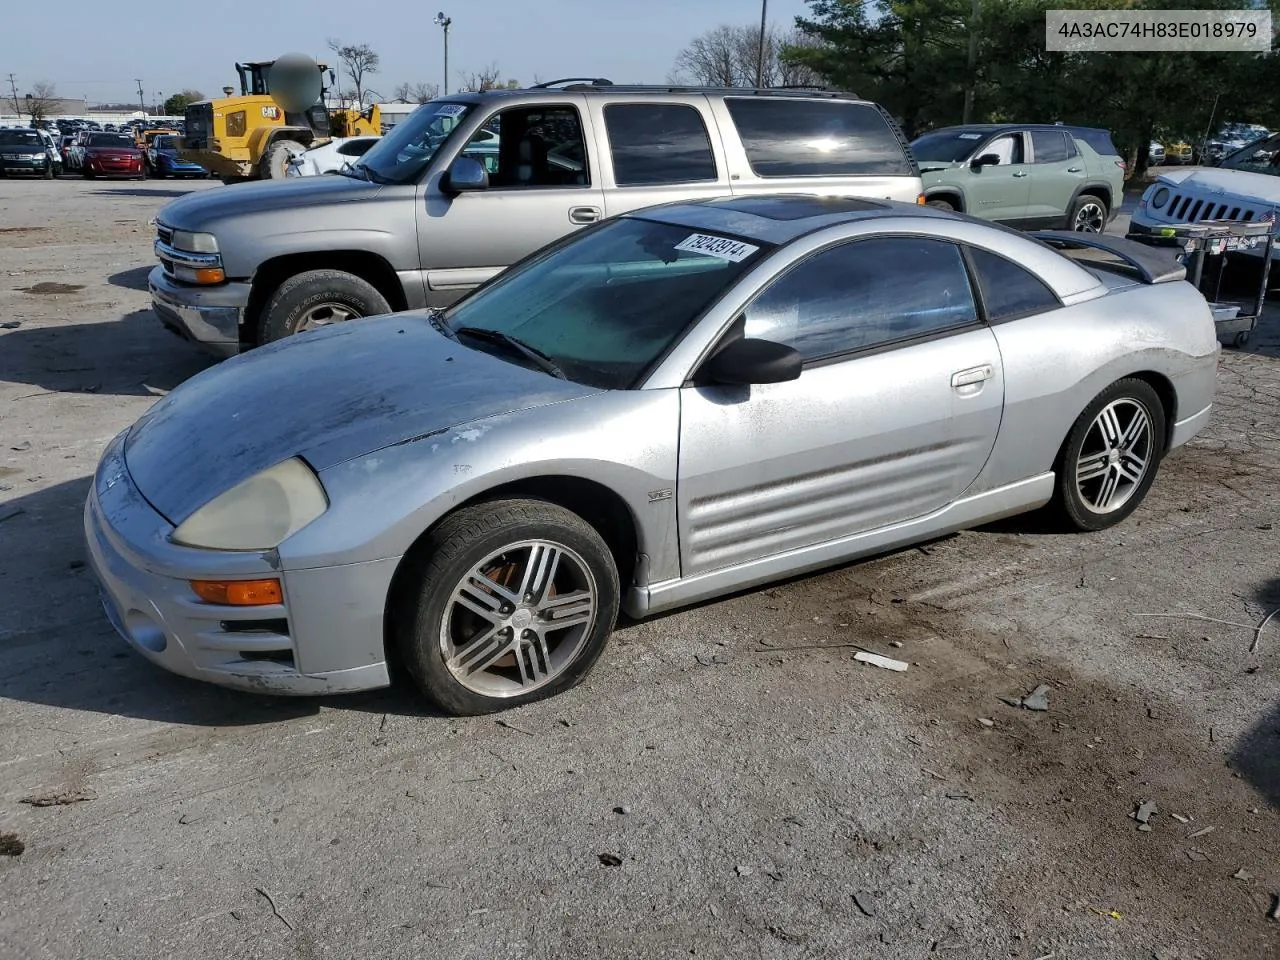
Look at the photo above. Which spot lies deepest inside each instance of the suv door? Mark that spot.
(543, 184)
(659, 150)
(1057, 172)
(999, 191)
(816, 145)
(893, 417)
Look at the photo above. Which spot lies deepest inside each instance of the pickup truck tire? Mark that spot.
(317, 298)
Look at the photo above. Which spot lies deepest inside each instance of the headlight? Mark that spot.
(259, 513)
(195, 242)
(1160, 197)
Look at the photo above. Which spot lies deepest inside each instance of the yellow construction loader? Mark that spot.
(280, 112)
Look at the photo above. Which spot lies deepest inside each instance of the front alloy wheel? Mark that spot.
(505, 602)
(1110, 458)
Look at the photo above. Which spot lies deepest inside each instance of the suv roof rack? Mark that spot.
(797, 90)
(592, 81)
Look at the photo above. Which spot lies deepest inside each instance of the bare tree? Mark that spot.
(477, 82)
(42, 98)
(727, 57)
(417, 92)
(358, 60)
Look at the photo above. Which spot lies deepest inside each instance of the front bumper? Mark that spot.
(326, 619)
(33, 164)
(207, 316)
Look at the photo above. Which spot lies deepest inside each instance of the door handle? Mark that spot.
(584, 214)
(1074, 169)
(963, 378)
(1021, 173)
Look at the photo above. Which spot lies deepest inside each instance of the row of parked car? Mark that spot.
(1229, 139)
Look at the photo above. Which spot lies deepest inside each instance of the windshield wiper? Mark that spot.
(539, 358)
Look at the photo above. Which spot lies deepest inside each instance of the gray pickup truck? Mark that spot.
(469, 184)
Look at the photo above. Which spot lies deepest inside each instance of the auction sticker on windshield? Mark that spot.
(451, 110)
(721, 247)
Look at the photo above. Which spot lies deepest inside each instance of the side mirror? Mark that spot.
(986, 160)
(465, 175)
(749, 361)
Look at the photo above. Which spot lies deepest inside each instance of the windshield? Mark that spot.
(1263, 157)
(402, 155)
(607, 304)
(165, 143)
(945, 146)
(111, 140)
(24, 137)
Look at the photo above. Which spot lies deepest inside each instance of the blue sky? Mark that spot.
(95, 49)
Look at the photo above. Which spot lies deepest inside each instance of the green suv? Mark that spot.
(1031, 176)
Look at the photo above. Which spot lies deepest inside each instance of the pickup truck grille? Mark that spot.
(199, 120)
(164, 233)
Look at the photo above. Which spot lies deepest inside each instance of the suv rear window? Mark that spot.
(817, 138)
(658, 143)
(1100, 140)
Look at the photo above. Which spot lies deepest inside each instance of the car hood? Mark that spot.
(328, 396)
(200, 210)
(1239, 183)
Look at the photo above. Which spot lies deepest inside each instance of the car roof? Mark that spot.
(605, 88)
(780, 219)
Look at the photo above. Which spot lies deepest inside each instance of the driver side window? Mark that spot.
(864, 294)
(528, 147)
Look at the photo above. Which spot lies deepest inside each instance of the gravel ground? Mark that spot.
(728, 783)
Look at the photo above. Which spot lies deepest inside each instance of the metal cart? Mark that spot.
(1217, 241)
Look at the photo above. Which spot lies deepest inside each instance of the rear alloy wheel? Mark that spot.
(504, 603)
(318, 298)
(1088, 215)
(1110, 458)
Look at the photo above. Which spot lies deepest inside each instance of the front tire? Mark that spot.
(1088, 214)
(946, 205)
(48, 171)
(317, 298)
(1111, 456)
(275, 162)
(505, 603)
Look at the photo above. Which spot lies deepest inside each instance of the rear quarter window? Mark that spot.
(1099, 140)
(817, 138)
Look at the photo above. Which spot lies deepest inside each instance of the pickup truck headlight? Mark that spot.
(195, 242)
(259, 513)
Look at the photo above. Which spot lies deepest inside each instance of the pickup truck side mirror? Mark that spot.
(465, 175)
(986, 160)
(750, 360)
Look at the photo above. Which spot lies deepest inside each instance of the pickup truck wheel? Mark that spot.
(315, 299)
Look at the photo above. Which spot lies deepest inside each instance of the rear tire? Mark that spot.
(318, 298)
(1088, 214)
(1110, 458)
(466, 634)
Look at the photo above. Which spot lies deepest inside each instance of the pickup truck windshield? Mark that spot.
(604, 306)
(402, 155)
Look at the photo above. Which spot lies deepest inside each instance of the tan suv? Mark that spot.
(471, 183)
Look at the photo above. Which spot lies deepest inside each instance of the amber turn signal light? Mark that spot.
(239, 593)
(209, 275)
(920, 198)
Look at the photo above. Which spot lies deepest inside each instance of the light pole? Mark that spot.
(443, 21)
(764, 15)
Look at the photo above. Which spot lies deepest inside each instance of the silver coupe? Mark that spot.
(668, 406)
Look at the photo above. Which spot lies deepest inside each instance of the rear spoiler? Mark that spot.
(1151, 264)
